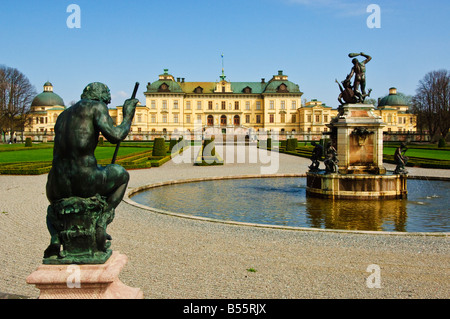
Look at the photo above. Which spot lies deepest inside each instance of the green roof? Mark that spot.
(392, 100)
(173, 87)
(47, 99)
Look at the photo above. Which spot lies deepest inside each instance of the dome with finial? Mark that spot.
(47, 97)
(393, 99)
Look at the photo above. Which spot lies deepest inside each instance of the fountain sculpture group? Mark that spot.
(354, 156)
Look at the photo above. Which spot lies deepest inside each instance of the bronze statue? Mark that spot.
(315, 157)
(331, 159)
(400, 159)
(357, 92)
(83, 195)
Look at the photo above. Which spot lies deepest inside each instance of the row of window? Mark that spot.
(188, 118)
(222, 105)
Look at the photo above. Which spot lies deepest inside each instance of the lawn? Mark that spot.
(422, 153)
(46, 154)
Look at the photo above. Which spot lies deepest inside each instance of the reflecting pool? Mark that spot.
(282, 201)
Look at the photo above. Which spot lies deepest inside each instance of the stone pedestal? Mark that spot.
(99, 281)
(359, 139)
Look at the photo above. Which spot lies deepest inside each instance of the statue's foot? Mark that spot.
(52, 250)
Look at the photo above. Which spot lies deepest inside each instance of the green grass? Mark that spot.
(46, 154)
(422, 153)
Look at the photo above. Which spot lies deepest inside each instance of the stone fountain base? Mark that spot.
(356, 186)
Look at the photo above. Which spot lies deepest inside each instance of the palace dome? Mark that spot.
(393, 99)
(47, 98)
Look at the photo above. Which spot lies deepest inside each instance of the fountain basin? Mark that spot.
(356, 186)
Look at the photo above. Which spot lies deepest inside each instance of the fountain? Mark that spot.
(354, 157)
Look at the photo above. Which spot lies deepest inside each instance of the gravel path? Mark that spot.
(172, 257)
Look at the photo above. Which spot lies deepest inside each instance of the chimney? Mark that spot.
(392, 91)
(263, 80)
(280, 72)
(178, 79)
(182, 80)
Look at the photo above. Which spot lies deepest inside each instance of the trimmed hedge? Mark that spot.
(159, 147)
(291, 144)
(28, 142)
(211, 148)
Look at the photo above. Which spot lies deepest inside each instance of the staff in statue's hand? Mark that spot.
(133, 96)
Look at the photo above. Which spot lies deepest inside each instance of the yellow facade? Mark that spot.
(174, 105)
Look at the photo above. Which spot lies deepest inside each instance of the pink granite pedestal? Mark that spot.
(84, 281)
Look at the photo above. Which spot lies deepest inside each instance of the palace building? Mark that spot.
(176, 105)
(45, 109)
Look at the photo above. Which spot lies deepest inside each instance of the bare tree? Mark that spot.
(431, 102)
(16, 95)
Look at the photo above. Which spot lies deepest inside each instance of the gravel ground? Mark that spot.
(172, 257)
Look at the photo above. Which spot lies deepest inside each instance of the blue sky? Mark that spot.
(121, 42)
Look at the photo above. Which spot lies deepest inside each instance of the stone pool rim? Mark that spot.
(133, 191)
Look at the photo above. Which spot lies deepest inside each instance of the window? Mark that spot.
(188, 118)
(282, 118)
(317, 118)
(283, 105)
(223, 120)
(293, 118)
(224, 105)
(325, 118)
(199, 105)
(271, 105)
(188, 105)
(164, 105)
(153, 118)
(175, 118)
(210, 120)
(210, 105)
(153, 104)
(258, 118)
(236, 105)
(271, 118)
(247, 118)
(223, 89)
(247, 105)
(237, 120)
(199, 118)
(258, 105)
(309, 119)
(175, 104)
(294, 105)
(164, 118)
(139, 118)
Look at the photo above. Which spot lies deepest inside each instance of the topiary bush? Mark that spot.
(28, 142)
(441, 142)
(159, 147)
(209, 150)
(173, 144)
(291, 144)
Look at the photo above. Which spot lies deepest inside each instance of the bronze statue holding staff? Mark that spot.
(83, 195)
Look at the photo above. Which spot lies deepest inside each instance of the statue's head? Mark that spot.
(355, 61)
(98, 92)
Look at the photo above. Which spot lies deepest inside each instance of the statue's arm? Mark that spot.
(368, 58)
(105, 124)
